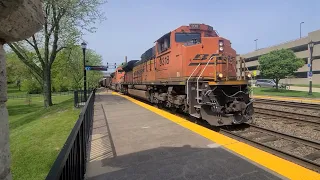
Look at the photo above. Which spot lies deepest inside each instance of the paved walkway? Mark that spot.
(131, 142)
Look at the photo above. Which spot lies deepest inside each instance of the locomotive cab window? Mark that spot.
(120, 71)
(164, 43)
(188, 37)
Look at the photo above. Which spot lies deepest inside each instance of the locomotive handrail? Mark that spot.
(188, 82)
(200, 76)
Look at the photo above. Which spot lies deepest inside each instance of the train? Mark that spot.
(105, 81)
(191, 70)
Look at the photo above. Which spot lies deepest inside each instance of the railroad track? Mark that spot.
(297, 117)
(261, 138)
(288, 104)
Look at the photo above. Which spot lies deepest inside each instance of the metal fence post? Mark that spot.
(75, 99)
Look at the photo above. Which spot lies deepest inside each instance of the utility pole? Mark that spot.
(84, 47)
(300, 28)
(256, 40)
(311, 44)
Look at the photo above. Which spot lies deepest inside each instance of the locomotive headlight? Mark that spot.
(220, 43)
(221, 48)
(220, 75)
(249, 75)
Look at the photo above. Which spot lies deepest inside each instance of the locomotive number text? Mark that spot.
(164, 60)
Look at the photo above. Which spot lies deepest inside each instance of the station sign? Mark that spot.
(96, 68)
(310, 75)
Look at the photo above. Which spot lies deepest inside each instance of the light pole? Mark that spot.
(311, 44)
(300, 28)
(256, 40)
(84, 47)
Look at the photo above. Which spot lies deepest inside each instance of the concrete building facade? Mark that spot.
(301, 48)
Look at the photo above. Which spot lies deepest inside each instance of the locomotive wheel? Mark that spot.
(174, 110)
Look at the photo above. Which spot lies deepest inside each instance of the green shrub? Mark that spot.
(31, 86)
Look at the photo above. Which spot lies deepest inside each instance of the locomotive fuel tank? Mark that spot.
(141, 87)
(139, 93)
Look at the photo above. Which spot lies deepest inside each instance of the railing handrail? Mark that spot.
(60, 162)
(86, 105)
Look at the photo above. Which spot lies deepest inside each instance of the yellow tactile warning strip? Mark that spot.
(272, 162)
(293, 99)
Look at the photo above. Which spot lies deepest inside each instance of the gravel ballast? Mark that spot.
(289, 109)
(294, 129)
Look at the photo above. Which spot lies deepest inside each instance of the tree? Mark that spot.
(93, 59)
(278, 64)
(16, 70)
(64, 20)
(68, 68)
(18, 73)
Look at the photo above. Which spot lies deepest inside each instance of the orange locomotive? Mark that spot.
(192, 69)
(117, 79)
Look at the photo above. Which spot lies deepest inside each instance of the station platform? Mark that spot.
(133, 140)
(290, 99)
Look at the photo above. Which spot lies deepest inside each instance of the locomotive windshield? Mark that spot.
(187, 37)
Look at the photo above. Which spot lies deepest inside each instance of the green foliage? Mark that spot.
(18, 74)
(67, 71)
(31, 86)
(278, 64)
(63, 26)
(16, 70)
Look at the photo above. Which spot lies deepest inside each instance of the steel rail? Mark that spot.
(272, 112)
(288, 104)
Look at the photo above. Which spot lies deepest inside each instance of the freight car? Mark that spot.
(192, 69)
(105, 82)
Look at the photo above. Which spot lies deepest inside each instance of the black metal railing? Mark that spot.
(79, 99)
(72, 159)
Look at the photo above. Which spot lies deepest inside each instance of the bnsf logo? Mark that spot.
(208, 56)
(163, 60)
(202, 57)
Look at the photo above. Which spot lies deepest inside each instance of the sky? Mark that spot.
(132, 26)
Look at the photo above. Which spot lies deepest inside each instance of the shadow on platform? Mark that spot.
(178, 163)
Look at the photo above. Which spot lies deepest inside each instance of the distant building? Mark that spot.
(301, 48)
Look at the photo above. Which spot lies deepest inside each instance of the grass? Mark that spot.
(284, 92)
(14, 91)
(38, 134)
(306, 85)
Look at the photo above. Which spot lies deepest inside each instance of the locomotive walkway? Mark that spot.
(132, 140)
